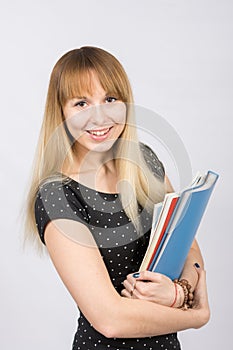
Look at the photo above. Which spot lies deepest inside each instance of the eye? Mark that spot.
(110, 99)
(81, 104)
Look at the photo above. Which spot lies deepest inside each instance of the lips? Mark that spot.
(99, 132)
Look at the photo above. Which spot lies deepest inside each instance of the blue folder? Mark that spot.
(180, 233)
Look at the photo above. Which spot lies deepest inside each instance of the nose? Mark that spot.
(98, 115)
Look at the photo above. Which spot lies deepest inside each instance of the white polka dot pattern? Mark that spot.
(120, 246)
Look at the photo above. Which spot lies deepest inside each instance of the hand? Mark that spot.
(151, 286)
(201, 303)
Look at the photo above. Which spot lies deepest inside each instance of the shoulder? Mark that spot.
(48, 188)
(152, 161)
(59, 194)
(53, 193)
(57, 200)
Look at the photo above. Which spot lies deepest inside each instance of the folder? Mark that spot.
(168, 254)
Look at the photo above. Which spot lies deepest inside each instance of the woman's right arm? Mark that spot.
(83, 272)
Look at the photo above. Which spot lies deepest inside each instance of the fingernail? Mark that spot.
(197, 265)
(136, 275)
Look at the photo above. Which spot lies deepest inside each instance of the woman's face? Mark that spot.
(95, 121)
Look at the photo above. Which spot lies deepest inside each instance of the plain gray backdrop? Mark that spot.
(178, 56)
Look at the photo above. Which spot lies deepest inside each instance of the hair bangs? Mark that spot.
(76, 77)
(112, 81)
(75, 83)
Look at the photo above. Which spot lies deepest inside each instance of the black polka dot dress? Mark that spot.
(119, 244)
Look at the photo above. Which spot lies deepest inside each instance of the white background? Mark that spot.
(178, 56)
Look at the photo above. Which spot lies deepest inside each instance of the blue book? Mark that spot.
(181, 230)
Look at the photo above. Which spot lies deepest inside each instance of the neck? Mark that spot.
(91, 166)
(92, 160)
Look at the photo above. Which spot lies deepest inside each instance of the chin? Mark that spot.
(101, 147)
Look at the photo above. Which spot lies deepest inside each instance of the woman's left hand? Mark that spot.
(151, 286)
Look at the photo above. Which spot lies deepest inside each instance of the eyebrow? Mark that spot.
(85, 97)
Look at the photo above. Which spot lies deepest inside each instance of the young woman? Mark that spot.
(91, 199)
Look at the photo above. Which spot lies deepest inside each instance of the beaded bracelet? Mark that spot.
(188, 295)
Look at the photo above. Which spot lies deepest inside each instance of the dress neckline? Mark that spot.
(90, 188)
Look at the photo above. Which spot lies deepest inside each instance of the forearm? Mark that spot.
(140, 318)
(91, 287)
(189, 272)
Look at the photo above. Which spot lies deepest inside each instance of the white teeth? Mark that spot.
(98, 133)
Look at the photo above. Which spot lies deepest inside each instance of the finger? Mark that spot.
(147, 276)
(131, 279)
(144, 288)
(138, 295)
(201, 288)
(201, 274)
(142, 276)
(125, 293)
(135, 294)
(129, 286)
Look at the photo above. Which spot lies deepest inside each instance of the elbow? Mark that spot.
(111, 324)
(109, 331)
(204, 319)
(109, 328)
(111, 321)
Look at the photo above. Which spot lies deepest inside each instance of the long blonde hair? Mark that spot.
(71, 76)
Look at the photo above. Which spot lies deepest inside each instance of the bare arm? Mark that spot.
(82, 270)
(188, 272)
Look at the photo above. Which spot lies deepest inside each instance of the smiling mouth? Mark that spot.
(101, 132)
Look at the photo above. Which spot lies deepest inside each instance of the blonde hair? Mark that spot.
(71, 76)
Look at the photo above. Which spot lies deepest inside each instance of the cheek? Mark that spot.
(116, 112)
(77, 122)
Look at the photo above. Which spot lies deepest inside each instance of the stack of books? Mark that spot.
(174, 226)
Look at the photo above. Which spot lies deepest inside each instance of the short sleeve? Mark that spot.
(56, 200)
(153, 162)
